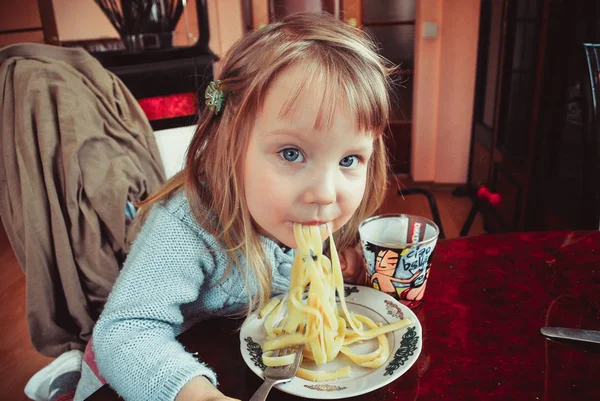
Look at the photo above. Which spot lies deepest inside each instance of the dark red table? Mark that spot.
(486, 299)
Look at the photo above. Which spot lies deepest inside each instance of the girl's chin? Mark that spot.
(286, 240)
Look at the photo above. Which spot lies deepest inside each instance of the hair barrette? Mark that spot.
(215, 98)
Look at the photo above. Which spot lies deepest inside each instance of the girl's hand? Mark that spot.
(201, 389)
(353, 266)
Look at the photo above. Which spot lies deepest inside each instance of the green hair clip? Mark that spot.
(215, 98)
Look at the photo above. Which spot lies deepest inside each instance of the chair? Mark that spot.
(590, 89)
(432, 205)
(75, 148)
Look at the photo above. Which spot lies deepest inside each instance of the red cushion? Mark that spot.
(170, 106)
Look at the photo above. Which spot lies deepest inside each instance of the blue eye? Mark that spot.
(350, 161)
(292, 155)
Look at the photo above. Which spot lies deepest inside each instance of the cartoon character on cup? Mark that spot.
(407, 281)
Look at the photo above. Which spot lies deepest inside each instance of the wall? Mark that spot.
(81, 20)
(226, 24)
(444, 87)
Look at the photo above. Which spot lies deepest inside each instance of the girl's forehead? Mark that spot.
(306, 99)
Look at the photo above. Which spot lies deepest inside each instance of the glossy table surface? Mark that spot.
(487, 298)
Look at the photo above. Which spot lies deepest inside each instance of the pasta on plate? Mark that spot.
(314, 313)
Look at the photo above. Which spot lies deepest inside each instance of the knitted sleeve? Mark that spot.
(134, 339)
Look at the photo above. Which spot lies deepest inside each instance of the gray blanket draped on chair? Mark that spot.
(75, 147)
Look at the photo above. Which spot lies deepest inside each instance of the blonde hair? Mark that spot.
(339, 57)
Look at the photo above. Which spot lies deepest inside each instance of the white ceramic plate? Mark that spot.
(405, 347)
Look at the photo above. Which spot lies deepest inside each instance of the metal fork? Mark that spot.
(278, 374)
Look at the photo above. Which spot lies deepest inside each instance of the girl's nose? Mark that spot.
(321, 190)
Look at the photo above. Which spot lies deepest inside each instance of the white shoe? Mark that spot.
(38, 387)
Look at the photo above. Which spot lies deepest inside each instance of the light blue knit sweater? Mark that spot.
(169, 282)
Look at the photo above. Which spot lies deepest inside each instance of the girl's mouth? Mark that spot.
(324, 227)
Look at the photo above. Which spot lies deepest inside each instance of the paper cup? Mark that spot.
(397, 249)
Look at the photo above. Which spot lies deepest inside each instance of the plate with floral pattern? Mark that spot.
(405, 347)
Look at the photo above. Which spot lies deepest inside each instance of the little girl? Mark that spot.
(293, 134)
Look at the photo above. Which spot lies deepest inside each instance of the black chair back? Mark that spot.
(591, 133)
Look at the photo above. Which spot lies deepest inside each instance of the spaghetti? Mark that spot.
(311, 315)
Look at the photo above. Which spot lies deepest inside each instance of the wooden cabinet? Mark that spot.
(11, 38)
(526, 138)
(392, 24)
(20, 15)
(20, 22)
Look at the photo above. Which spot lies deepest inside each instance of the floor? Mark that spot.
(453, 210)
(18, 359)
